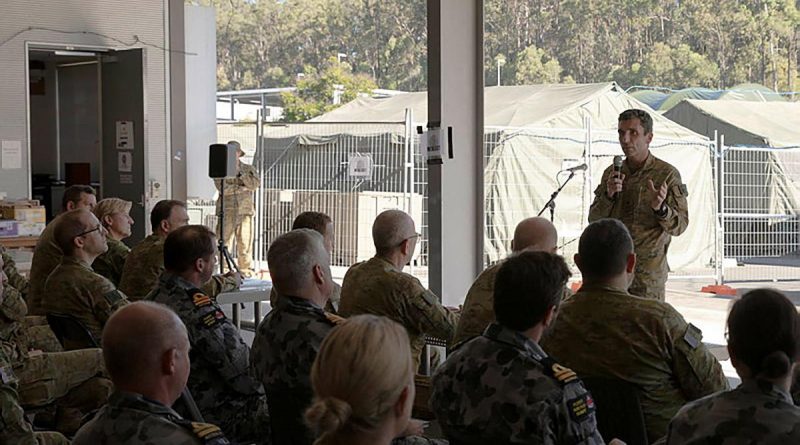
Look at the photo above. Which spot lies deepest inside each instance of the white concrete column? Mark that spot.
(455, 99)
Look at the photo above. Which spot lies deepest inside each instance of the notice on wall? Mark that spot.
(126, 179)
(125, 135)
(125, 161)
(11, 155)
(359, 166)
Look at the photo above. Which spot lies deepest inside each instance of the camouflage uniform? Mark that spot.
(478, 311)
(14, 427)
(46, 256)
(606, 332)
(144, 265)
(755, 412)
(239, 210)
(331, 306)
(133, 418)
(74, 289)
(15, 279)
(377, 287)
(284, 349)
(110, 264)
(220, 379)
(501, 387)
(651, 234)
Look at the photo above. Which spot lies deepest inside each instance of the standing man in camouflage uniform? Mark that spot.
(531, 234)
(146, 351)
(73, 288)
(604, 331)
(648, 196)
(47, 254)
(287, 341)
(380, 287)
(71, 380)
(239, 210)
(502, 387)
(145, 262)
(114, 214)
(220, 381)
(323, 224)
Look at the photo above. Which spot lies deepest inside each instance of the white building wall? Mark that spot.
(101, 23)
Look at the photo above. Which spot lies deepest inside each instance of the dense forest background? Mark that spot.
(382, 43)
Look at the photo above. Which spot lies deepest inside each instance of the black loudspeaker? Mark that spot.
(221, 161)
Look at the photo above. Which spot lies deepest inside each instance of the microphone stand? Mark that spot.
(551, 204)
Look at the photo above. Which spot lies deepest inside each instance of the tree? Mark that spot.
(317, 91)
(534, 66)
(677, 68)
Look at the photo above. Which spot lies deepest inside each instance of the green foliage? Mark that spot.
(534, 66)
(316, 91)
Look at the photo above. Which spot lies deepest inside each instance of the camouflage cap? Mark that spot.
(237, 146)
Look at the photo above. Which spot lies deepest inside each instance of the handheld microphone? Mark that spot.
(617, 170)
(577, 168)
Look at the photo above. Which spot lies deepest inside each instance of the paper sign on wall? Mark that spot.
(12, 155)
(359, 166)
(125, 161)
(125, 135)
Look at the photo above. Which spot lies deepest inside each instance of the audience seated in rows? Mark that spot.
(501, 387)
(114, 215)
(220, 380)
(145, 262)
(764, 345)
(532, 234)
(73, 288)
(323, 224)
(604, 331)
(146, 350)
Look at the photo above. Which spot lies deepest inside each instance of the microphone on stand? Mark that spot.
(617, 171)
(577, 168)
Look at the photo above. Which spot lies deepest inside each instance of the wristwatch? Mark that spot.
(662, 211)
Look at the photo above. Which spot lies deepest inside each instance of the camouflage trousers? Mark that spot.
(239, 227)
(73, 380)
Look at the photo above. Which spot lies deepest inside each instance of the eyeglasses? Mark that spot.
(89, 231)
(416, 235)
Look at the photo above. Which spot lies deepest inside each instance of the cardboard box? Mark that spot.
(8, 228)
(29, 211)
(26, 228)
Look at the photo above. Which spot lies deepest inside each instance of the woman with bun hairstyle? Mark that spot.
(764, 345)
(363, 383)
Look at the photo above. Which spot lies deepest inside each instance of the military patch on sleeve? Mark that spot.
(7, 375)
(212, 319)
(200, 299)
(208, 433)
(113, 297)
(581, 407)
(693, 336)
(562, 374)
(430, 298)
(684, 190)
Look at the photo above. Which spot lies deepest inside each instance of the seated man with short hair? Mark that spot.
(501, 387)
(220, 381)
(604, 331)
(146, 351)
(73, 288)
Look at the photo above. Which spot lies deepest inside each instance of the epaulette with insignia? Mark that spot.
(207, 433)
(334, 319)
(558, 372)
(199, 299)
(212, 319)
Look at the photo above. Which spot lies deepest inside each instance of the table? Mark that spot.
(252, 291)
(15, 242)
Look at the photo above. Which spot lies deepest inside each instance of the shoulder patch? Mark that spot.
(7, 375)
(684, 190)
(207, 433)
(563, 374)
(693, 336)
(213, 318)
(430, 297)
(581, 407)
(200, 299)
(334, 319)
(113, 297)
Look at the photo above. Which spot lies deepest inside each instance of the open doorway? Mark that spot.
(64, 122)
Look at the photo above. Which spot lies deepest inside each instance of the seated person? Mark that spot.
(15, 427)
(145, 262)
(146, 351)
(764, 345)
(363, 382)
(501, 387)
(15, 279)
(323, 224)
(114, 214)
(47, 254)
(534, 234)
(220, 382)
(604, 331)
(73, 288)
(287, 341)
(380, 287)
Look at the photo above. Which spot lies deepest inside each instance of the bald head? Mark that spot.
(390, 229)
(135, 341)
(535, 234)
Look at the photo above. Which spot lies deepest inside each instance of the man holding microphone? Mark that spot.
(648, 196)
